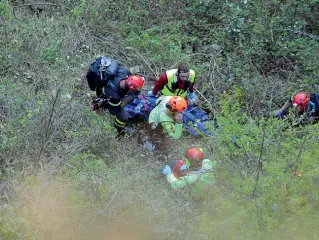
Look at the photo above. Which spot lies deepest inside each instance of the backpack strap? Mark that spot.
(199, 173)
(314, 102)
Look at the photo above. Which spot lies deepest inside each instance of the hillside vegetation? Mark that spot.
(64, 175)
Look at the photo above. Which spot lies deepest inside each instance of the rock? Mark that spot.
(215, 48)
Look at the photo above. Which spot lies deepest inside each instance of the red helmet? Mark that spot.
(177, 104)
(301, 99)
(176, 166)
(134, 82)
(194, 154)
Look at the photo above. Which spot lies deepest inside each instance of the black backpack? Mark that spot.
(314, 98)
(101, 71)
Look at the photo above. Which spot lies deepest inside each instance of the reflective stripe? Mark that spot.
(115, 104)
(118, 121)
(109, 98)
(119, 126)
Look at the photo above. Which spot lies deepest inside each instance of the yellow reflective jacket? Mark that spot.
(170, 90)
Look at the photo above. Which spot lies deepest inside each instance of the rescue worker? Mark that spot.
(169, 114)
(194, 172)
(116, 94)
(302, 105)
(176, 82)
(114, 86)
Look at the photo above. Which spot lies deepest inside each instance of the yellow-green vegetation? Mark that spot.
(65, 175)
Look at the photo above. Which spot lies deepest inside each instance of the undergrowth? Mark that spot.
(65, 175)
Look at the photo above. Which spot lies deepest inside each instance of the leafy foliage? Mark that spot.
(62, 167)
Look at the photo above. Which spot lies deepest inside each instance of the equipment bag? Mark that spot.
(101, 71)
(314, 101)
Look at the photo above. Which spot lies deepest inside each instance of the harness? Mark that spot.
(198, 173)
(114, 86)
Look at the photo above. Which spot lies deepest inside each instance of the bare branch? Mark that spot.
(303, 33)
(30, 4)
(130, 48)
(208, 102)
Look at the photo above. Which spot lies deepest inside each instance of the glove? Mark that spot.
(151, 94)
(234, 143)
(178, 117)
(100, 102)
(184, 168)
(278, 114)
(191, 98)
(149, 145)
(96, 103)
(166, 170)
(190, 102)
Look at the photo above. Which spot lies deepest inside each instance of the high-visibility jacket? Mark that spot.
(198, 180)
(160, 115)
(171, 88)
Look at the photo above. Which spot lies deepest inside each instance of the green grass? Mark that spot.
(64, 175)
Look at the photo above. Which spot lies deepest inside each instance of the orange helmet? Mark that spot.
(194, 154)
(301, 99)
(177, 104)
(134, 82)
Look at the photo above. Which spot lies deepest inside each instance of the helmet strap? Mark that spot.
(169, 107)
(123, 84)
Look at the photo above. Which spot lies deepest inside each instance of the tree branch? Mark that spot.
(303, 33)
(130, 48)
(206, 100)
(30, 4)
(260, 163)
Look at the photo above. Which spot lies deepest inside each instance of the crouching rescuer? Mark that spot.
(169, 114)
(194, 172)
(114, 87)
